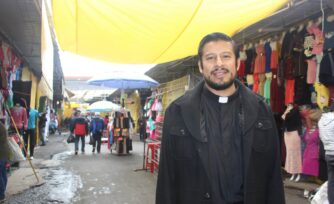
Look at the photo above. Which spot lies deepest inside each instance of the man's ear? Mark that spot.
(200, 67)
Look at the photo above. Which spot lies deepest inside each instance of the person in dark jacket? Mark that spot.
(4, 157)
(220, 143)
(80, 130)
(41, 127)
(97, 126)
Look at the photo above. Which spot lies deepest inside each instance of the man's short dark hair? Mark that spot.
(216, 37)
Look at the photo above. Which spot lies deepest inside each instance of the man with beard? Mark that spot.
(220, 143)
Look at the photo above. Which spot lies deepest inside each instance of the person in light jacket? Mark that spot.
(220, 142)
(326, 130)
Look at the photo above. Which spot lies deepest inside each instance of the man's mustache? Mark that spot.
(220, 68)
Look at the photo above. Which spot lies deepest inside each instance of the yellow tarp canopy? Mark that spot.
(150, 31)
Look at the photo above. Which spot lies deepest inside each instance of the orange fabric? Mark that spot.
(289, 91)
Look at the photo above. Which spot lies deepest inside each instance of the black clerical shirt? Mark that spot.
(225, 146)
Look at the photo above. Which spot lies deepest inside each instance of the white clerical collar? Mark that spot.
(223, 99)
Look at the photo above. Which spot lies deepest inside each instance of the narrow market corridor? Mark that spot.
(90, 178)
(85, 178)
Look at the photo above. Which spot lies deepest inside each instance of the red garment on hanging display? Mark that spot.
(276, 95)
(241, 70)
(289, 91)
(260, 60)
(256, 84)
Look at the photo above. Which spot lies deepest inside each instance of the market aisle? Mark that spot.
(108, 178)
(95, 178)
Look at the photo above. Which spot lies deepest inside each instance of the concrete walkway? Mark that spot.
(93, 178)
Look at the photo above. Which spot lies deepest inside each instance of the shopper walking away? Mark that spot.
(41, 127)
(326, 129)
(4, 157)
(96, 128)
(80, 130)
(220, 142)
(31, 133)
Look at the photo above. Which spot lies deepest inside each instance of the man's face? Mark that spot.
(219, 64)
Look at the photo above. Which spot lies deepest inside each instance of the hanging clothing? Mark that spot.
(276, 95)
(318, 43)
(287, 44)
(328, 33)
(311, 152)
(326, 70)
(267, 49)
(297, 53)
(260, 60)
(274, 55)
(251, 54)
(262, 79)
(308, 46)
(242, 66)
(293, 161)
(267, 85)
(289, 91)
(311, 70)
(302, 91)
(256, 84)
(288, 68)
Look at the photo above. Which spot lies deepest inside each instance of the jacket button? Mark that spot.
(207, 195)
(260, 125)
(183, 132)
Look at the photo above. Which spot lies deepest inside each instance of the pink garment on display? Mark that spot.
(318, 43)
(311, 153)
(293, 161)
(311, 71)
(19, 115)
(153, 135)
(260, 60)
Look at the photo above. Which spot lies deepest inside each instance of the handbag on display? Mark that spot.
(70, 138)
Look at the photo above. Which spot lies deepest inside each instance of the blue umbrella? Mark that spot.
(123, 80)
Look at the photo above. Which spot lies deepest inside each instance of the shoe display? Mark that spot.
(76, 153)
(93, 150)
(31, 158)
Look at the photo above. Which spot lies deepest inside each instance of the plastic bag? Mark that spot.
(16, 152)
(70, 139)
(321, 196)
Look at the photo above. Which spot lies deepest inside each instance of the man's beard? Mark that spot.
(222, 86)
